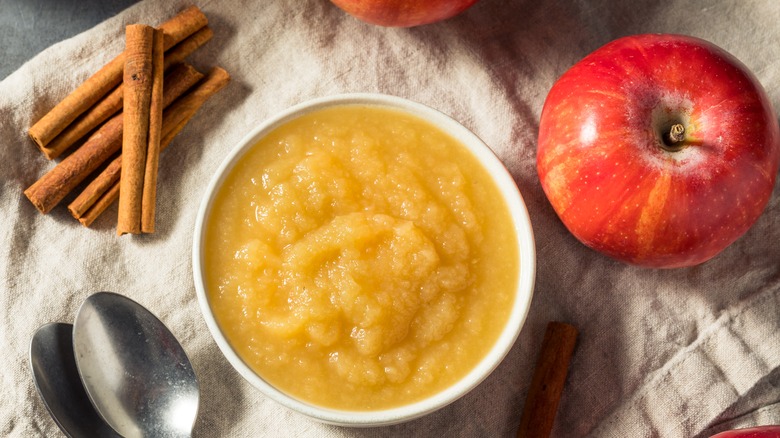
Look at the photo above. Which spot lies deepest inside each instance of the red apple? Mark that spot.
(403, 13)
(753, 432)
(658, 150)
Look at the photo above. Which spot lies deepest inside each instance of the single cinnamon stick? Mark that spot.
(104, 190)
(101, 204)
(183, 109)
(52, 187)
(179, 52)
(104, 80)
(541, 404)
(96, 189)
(149, 187)
(184, 24)
(112, 103)
(135, 141)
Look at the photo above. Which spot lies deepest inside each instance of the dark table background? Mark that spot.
(29, 26)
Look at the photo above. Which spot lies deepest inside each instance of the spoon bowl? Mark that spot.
(59, 385)
(133, 369)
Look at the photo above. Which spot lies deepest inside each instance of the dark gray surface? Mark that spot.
(29, 26)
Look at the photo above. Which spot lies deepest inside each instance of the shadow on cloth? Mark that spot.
(222, 389)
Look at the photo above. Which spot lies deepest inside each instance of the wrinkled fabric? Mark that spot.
(661, 353)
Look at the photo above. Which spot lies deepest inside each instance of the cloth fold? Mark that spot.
(661, 353)
(701, 381)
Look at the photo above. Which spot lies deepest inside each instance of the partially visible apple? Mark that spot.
(658, 150)
(403, 13)
(752, 432)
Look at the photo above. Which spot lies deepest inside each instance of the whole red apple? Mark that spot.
(658, 150)
(403, 13)
(753, 432)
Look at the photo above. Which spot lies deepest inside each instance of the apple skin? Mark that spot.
(752, 432)
(403, 13)
(603, 166)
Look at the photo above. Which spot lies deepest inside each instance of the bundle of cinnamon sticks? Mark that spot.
(127, 112)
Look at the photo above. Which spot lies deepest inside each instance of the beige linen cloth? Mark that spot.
(661, 353)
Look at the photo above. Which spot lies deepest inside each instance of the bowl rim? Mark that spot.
(525, 245)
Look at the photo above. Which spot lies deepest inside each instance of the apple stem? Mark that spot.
(675, 135)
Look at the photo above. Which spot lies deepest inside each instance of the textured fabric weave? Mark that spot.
(661, 353)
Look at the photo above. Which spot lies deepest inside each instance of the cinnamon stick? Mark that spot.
(149, 186)
(101, 204)
(135, 141)
(107, 78)
(96, 189)
(183, 109)
(112, 103)
(184, 24)
(179, 52)
(52, 187)
(104, 190)
(541, 404)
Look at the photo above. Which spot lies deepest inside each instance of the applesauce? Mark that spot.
(359, 258)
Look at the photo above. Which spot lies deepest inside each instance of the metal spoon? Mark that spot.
(134, 370)
(59, 385)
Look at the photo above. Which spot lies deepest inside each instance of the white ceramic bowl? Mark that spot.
(525, 244)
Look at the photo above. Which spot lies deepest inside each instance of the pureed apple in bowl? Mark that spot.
(361, 265)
